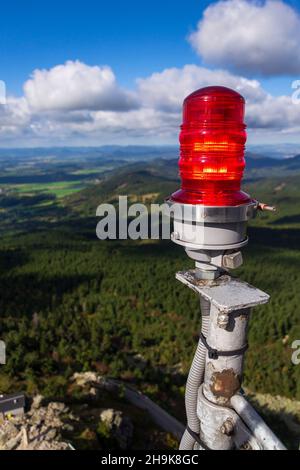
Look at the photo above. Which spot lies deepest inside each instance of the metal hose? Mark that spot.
(195, 379)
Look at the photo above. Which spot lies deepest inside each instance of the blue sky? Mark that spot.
(134, 40)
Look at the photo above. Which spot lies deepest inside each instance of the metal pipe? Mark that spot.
(230, 303)
(223, 375)
(256, 424)
(195, 379)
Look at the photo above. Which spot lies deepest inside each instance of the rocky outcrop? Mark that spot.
(84, 378)
(119, 426)
(46, 425)
(39, 429)
(108, 414)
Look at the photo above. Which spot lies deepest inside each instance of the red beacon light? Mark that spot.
(210, 211)
(212, 146)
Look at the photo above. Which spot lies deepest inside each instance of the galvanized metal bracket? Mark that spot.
(2, 353)
(226, 293)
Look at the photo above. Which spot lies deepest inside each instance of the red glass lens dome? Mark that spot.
(212, 147)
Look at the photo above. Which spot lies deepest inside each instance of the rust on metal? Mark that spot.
(244, 316)
(227, 427)
(223, 279)
(225, 384)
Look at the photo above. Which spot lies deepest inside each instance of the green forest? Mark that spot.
(70, 302)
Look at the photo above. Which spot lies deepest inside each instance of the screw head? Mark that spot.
(227, 427)
(222, 320)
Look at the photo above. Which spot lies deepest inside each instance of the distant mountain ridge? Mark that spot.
(118, 152)
(129, 153)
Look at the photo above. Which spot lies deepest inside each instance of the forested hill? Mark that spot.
(70, 302)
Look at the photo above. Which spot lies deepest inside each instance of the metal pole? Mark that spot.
(223, 375)
(221, 426)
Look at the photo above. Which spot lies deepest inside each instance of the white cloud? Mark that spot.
(113, 126)
(14, 116)
(167, 89)
(274, 113)
(74, 102)
(140, 123)
(250, 37)
(156, 117)
(75, 86)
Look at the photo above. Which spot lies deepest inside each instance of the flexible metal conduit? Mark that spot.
(195, 379)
